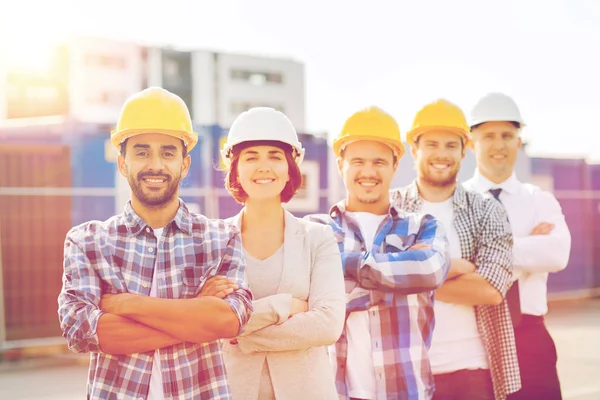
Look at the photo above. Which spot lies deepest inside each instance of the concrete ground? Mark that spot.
(574, 324)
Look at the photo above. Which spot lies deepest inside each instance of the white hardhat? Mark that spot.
(495, 107)
(262, 123)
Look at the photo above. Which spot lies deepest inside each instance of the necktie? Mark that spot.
(513, 297)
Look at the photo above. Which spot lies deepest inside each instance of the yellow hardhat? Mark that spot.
(439, 115)
(155, 110)
(370, 124)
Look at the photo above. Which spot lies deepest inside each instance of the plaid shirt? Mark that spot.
(485, 240)
(118, 256)
(399, 300)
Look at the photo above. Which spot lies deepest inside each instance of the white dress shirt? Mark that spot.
(533, 256)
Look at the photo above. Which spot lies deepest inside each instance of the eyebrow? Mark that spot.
(256, 152)
(147, 146)
(372, 159)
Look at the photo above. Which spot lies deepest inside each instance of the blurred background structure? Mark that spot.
(59, 101)
(58, 169)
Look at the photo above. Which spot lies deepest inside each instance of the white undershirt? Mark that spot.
(360, 372)
(456, 342)
(156, 392)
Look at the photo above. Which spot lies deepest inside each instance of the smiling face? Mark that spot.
(367, 168)
(438, 154)
(154, 165)
(496, 146)
(263, 172)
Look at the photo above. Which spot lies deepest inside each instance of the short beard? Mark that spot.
(154, 200)
(451, 180)
(425, 177)
(369, 201)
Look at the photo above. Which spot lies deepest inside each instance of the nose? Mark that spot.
(155, 163)
(498, 143)
(264, 166)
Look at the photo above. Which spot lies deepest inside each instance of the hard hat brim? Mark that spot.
(190, 139)
(226, 155)
(413, 135)
(340, 144)
(480, 121)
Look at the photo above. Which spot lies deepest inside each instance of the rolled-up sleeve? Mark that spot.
(78, 310)
(234, 267)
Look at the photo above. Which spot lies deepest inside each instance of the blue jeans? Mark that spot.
(465, 384)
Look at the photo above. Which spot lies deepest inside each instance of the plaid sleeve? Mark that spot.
(494, 254)
(233, 266)
(407, 271)
(78, 310)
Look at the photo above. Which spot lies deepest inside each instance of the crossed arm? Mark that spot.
(128, 323)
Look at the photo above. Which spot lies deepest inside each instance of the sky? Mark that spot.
(398, 55)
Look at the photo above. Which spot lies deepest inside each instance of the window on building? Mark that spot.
(238, 107)
(105, 61)
(257, 78)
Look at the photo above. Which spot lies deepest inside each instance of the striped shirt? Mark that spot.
(400, 284)
(120, 255)
(486, 241)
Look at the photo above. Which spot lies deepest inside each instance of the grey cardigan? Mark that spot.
(294, 348)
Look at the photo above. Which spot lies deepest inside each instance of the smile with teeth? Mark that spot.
(440, 166)
(367, 183)
(154, 180)
(264, 181)
(498, 157)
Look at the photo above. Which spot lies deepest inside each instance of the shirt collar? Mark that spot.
(413, 199)
(339, 209)
(135, 223)
(483, 184)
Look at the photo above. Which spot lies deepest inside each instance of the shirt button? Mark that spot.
(148, 230)
(145, 285)
(150, 249)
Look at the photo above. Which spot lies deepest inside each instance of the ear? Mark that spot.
(413, 150)
(520, 143)
(340, 164)
(122, 166)
(185, 166)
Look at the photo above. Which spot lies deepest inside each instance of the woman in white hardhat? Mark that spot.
(293, 266)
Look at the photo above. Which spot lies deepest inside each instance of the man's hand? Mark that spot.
(420, 246)
(460, 266)
(113, 303)
(543, 228)
(218, 286)
(298, 306)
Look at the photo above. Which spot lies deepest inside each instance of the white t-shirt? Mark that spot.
(360, 372)
(156, 392)
(456, 342)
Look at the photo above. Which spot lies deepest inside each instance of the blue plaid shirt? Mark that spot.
(401, 285)
(111, 257)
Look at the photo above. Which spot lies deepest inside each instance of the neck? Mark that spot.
(156, 216)
(435, 194)
(495, 178)
(379, 208)
(265, 215)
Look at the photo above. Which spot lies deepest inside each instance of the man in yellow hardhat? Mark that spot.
(473, 352)
(542, 238)
(134, 292)
(392, 261)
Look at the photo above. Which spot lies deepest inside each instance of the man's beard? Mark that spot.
(450, 180)
(369, 200)
(150, 198)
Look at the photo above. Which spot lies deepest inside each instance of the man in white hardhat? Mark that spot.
(542, 240)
